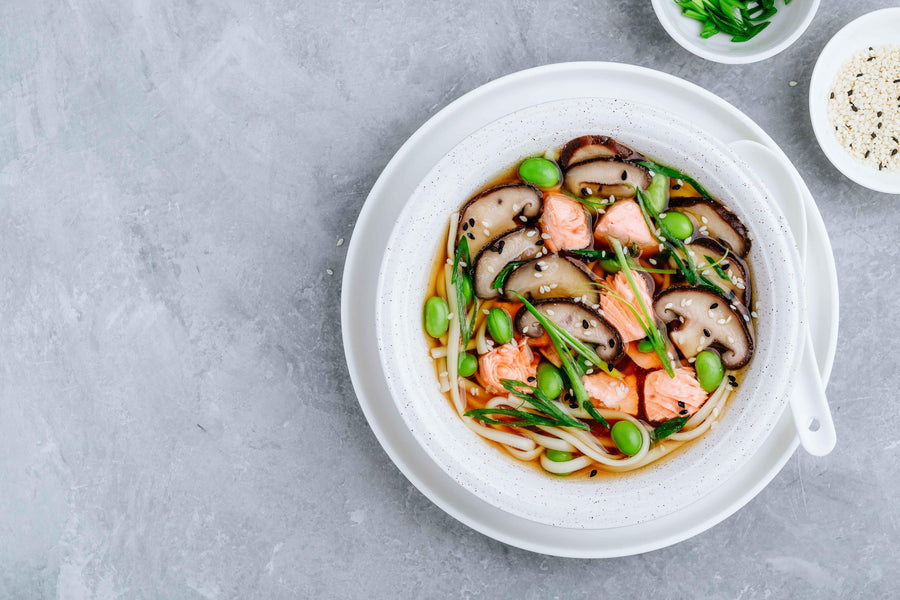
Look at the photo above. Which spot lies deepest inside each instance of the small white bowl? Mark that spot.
(876, 28)
(485, 470)
(786, 26)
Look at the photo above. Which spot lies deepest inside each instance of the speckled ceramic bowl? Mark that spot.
(488, 472)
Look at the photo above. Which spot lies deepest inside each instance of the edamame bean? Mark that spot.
(709, 370)
(558, 455)
(678, 225)
(499, 325)
(466, 365)
(436, 316)
(627, 437)
(466, 286)
(610, 265)
(549, 380)
(539, 171)
(645, 345)
(657, 193)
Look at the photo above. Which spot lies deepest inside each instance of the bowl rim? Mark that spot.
(697, 48)
(791, 271)
(830, 60)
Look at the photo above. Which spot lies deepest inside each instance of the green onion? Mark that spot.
(541, 402)
(461, 255)
(670, 172)
(500, 280)
(715, 265)
(648, 323)
(525, 419)
(741, 19)
(668, 428)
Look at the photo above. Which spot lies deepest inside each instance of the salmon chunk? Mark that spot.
(616, 311)
(614, 394)
(666, 398)
(509, 361)
(625, 222)
(566, 222)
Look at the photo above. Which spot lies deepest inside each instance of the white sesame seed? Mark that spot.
(721, 321)
(550, 312)
(449, 316)
(545, 236)
(754, 315)
(486, 231)
(652, 261)
(669, 305)
(530, 233)
(523, 218)
(792, 83)
(691, 360)
(329, 271)
(704, 220)
(340, 242)
(538, 275)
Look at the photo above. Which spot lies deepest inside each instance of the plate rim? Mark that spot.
(732, 118)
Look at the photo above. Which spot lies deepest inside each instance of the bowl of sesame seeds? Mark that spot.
(854, 100)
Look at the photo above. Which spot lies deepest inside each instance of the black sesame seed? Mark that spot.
(880, 166)
(713, 305)
(867, 154)
(612, 343)
(870, 58)
(470, 236)
(680, 404)
(593, 472)
(624, 175)
(539, 243)
(832, 95)
(855, 109)
(897, 81)
(706, 333)
(538, 268)
(859, 74)
(879, 125)
(676, 187)
(873, 135)
(878, 114)
(586, 191)
(683, 411)
(573, 405)
(731, 378)
(733, 384)
(896, 141)
(849, 92)
(472, 222)
(585, 324)
(500, 245)
(894, 152)
(465, 226)
(530, 379)
(725, 266)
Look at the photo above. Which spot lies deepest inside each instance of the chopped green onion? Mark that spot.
(500, 280)
(668, 428)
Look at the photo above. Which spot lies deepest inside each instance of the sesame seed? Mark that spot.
(792, 83)
(593, 472)
(624, 175)
(472, 222)
(329, 271)
(340, 242)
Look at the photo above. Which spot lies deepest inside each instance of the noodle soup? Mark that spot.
(590, 310)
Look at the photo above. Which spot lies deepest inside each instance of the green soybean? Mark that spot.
(466, 286)
(436, 316)
(466, 365)
(558, 455)
(709, 370)
(678, 224)
(627, 437)
(610, 265)
(539, 171)
(657, 193)
(549, 380)
(499, 325)
(645, 345)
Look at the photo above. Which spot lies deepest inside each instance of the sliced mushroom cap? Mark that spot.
(589, 147)
(606, 177)
(737, 285)
(520, 244)
(496, 211)
(717, 222)
(705, 318)
(552, 276)
(583, 322)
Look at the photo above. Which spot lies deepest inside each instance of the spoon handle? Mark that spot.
(809, 406)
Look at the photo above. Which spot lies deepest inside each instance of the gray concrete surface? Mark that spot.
(176, 419)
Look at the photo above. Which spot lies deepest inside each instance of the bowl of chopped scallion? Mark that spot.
(735, 31)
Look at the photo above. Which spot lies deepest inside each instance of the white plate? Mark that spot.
(785, 28)
(873, 29)
(378, 215)
(653, 491)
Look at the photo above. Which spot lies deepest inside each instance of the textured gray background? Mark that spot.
(176, 419)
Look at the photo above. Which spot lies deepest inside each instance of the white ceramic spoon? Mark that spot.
(809, 404)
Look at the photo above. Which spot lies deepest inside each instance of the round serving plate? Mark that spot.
(657, 489)
(401, 176)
